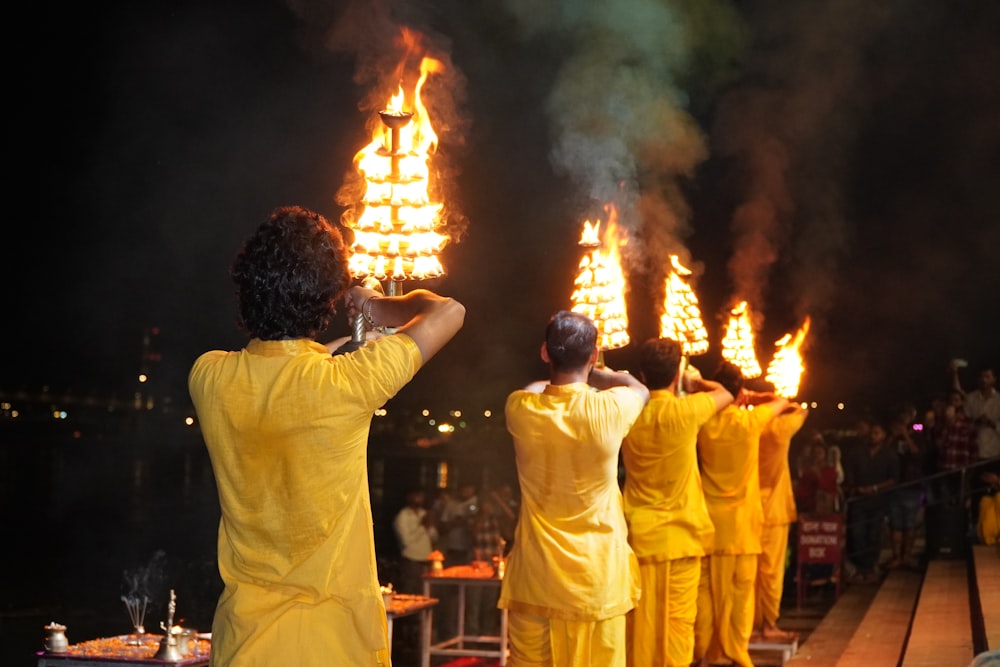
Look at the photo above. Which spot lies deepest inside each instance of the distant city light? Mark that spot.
(381, 412)
(456, 413)
(487, 413)
(444, 427)
(189, 421)
(814, 405)
(425, 412)
(840, 406)
(143, 377)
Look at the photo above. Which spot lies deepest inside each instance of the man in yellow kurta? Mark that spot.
(668, 521)
(728, 450)
(571, 576)
(286, 425)
(778, 501)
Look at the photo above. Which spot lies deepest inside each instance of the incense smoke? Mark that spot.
(141, 585)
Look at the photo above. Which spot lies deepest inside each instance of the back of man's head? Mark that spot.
(570, 339)
(659, 359)
(730, 377)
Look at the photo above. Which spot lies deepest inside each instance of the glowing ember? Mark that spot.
(786, 368)
(681, 318)
(396, 232)
(599, 288)
(738, 342)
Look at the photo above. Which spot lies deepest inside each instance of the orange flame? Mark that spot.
(397, 233)
(599, 288)
(681, 318)
(738, 342)
(786, 368)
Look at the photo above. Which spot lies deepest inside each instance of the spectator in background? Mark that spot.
(455, 523)
(954, 447)
(905, 501)
(481, 616)
(982, 405)
(835, 459)
(508, 509)
(858, 438)
(868, 472)
(988, 520)
(416, 534)
(817, 490)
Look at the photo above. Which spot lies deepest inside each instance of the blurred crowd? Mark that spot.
(910, 473)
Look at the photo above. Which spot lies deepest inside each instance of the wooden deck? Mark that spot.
(941, 633)
(987, 562)
(913, 619)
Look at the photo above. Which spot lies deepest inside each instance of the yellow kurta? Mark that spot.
(669, 525)
(664, 501)
(778, 502)
(728, 450)
(286, 425)
(776, 492)
(571, 559)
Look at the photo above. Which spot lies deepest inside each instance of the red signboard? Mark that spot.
(821, 538)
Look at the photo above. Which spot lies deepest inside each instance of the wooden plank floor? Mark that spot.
(824, 645)
(941, 634)
(881, 636)
(987, 560)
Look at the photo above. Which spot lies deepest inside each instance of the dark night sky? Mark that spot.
(827, 158)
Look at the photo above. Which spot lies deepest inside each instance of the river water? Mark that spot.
(131, 511)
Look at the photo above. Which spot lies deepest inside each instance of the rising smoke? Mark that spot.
(790, 125)
(618, 118)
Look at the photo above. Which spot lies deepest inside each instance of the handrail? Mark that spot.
(964, 487)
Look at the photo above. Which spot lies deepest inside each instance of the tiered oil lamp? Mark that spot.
(396, 233)
(786, 368)
(599, 288)
(738, 342)
(681, 318)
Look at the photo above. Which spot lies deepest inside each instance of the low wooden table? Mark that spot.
(122, 651)
(460, 644)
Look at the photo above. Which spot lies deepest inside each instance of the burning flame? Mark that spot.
(599, 288)
(681, 319)
(396, 234)
(786, 368)
(738, 343)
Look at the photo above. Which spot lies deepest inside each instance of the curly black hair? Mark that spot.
(289, 275)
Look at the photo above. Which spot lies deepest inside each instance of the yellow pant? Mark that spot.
(660, 630)
(537, 641)
(770, 582)
(988, 524)
(724, 619)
